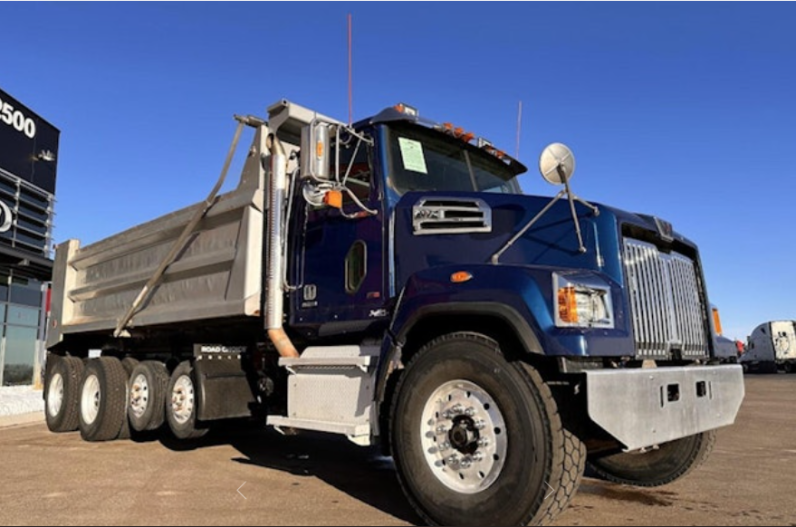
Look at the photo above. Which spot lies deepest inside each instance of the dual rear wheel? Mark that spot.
(105, 398)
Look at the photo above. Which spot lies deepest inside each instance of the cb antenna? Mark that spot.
(350, 70)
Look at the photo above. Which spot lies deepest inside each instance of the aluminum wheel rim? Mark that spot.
(464, 437)
(55, 395)
(139, 396)
(90, 400)
(182, 400)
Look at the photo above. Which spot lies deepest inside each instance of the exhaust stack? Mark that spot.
(275, 296)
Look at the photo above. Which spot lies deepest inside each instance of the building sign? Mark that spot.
(28, 144)
(6, 217)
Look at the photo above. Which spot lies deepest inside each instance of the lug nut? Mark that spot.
(480, 425)
(458, 409)
(470, 412)
(442, 429)
(484, 442)
(453, 461)
(445, 447)
(467, 463)
(478, 457)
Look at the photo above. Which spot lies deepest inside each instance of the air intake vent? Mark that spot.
(452, 216)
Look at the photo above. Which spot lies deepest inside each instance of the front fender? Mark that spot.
(522, 296)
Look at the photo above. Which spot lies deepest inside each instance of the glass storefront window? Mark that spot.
(23, 316)
(4, 279)
(20, 355)
(25, 292)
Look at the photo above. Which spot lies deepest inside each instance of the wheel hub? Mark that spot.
(182, 400)
(55, 395)
(464, 437)
(139, 396)
(90, 400)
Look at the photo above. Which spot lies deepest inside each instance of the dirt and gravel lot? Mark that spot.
(49, 479)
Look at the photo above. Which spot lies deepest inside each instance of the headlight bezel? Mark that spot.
(590, 298)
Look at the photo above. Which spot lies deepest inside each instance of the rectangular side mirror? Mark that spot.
(316, 151)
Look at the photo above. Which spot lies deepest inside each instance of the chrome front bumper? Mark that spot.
(648, 407)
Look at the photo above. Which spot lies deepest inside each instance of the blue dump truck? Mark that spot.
(390, 283)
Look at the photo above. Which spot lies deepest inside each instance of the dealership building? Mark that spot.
(28, 166)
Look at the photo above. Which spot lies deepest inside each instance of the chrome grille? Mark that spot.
(668, 312)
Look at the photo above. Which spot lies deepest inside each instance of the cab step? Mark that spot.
(331, 390)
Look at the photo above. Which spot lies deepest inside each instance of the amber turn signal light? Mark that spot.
(461, 277)
(334, 199)
(568, 305)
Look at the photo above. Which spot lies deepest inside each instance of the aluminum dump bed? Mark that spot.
(218, 275)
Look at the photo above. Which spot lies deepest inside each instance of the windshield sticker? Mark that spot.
(413, 156)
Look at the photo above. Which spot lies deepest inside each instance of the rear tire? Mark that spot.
(103, 400)
(181, 404)
(149, 383)
(62, 394)
(129, 365)
(528, 454)
(671, 462)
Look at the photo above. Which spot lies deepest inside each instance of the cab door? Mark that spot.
(341, 269)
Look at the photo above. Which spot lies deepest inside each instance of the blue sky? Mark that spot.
(685, 111)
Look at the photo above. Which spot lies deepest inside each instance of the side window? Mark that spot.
(358, 170)
(356, 267)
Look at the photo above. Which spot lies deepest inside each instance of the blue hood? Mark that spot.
(552, 242)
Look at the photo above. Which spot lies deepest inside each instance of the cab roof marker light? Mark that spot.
(411, 111)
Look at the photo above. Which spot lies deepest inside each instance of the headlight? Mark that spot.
(583, 305)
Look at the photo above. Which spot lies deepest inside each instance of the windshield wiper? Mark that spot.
(472, 172)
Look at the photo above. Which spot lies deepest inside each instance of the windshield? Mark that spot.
(426, 160)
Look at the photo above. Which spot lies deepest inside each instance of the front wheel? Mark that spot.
(478, 440)
(658, 467)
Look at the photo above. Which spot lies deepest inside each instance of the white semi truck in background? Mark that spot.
(771, 348)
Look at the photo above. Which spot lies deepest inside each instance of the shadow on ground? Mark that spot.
(362, 473)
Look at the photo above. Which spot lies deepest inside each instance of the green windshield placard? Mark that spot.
(413, 156)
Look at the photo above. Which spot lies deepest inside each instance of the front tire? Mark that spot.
(669, 463)
(181, 404)
(62, 394)
(479, 441)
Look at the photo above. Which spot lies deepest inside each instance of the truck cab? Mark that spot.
(771, 348)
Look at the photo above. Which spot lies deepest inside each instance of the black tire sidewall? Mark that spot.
(519, 491)
(657, 468)
(70, 370)
(113, 399)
